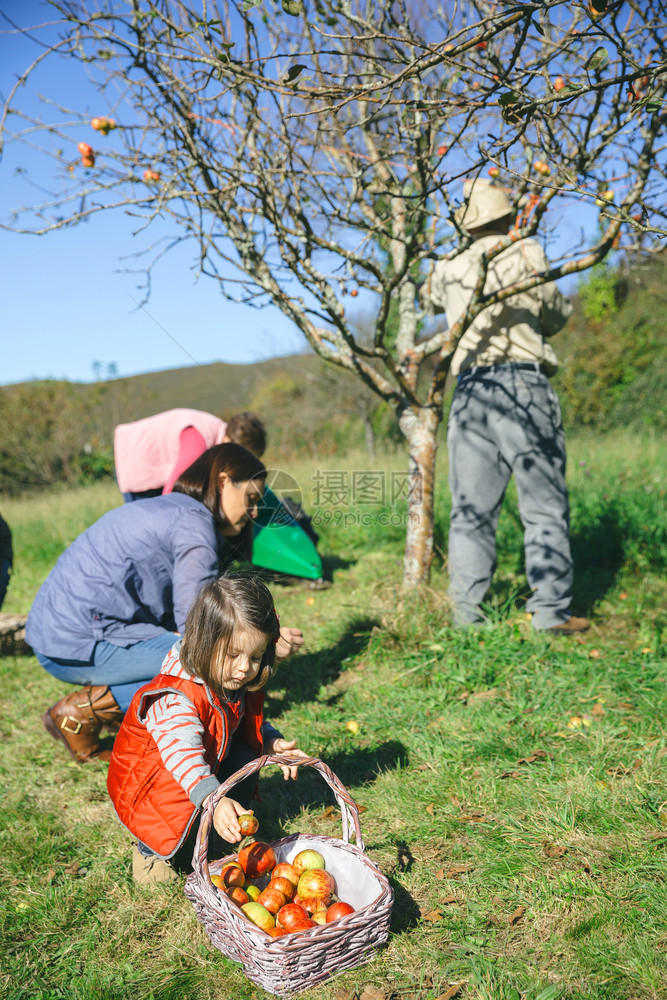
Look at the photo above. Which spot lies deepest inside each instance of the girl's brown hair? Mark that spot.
(201, 481)
(224, 606)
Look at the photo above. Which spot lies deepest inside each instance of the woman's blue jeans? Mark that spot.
(123, 668)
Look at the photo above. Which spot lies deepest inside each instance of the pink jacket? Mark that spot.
(146, 450)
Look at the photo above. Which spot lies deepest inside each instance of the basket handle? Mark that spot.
(348, 807)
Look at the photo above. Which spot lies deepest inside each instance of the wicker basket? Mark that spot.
(292, 963)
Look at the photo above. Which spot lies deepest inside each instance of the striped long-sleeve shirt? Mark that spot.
(172, 721)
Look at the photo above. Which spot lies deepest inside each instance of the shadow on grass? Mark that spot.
(598, 554)
(303, 676)
(405, 913)
(332, 563)
(286, 799)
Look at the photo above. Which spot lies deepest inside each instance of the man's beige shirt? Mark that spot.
(513, 330)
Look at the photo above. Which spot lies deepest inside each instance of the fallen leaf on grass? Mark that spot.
(577, 721)
(594, 654)
(535, 755)
(497, 901)
(372, 993)
(511, 774)
(430, 809)
(517, 915)
(345, 994)
(553, 850)
(433, 916)
(448, 900)
(50, 875)
(489, 695)
(474, 818)
(493, 920)
(459, 869)
(329, 813)
(618, 772)
(597, 710)
(453, 991)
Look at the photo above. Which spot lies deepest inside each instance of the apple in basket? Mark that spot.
(290, 915)
(231, 874)
(312, 904)
(257, 859)
(252, 890)
(249, 824)
(319, 916)
(338, 910)
(316, 882)
(259, 915)
(303, 925)
(273, 899)
(285, 870)
(307, 859)
(238, 895)
(277, 931)
(287, 888)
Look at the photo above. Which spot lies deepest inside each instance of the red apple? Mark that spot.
(285, 870)
(313, 903)
(494, 171)
(287, 888)
(319, 916)
(232, 874)
(238, 895)
(96, 123)
(85, 149)
(273, 899)
(338, 910)
(249, 824)
(291, 914)
(303, 925)
(316, 882)
(307, 859)
(257, 859)
(559, 83)
(88, 161)
(259, 915)
(277, 931)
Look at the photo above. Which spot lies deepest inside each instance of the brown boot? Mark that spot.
(570, 626)
(77, 720)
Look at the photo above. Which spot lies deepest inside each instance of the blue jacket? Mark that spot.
(131, 576)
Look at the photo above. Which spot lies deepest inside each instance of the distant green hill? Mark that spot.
(613, 373)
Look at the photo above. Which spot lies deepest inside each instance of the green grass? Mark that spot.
(536, 763)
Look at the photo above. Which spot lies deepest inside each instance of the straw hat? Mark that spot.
(483, 203)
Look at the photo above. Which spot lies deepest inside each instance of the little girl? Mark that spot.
(196, 723)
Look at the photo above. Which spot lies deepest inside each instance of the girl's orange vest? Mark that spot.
(148, 799)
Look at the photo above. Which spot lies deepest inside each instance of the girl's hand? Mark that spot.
(225, 818)
(287, 746)
(288, 643)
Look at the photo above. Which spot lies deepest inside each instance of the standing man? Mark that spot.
(505, 418)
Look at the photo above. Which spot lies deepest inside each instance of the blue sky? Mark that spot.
(65, 302)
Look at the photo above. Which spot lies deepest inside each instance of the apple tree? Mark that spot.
(314, 150)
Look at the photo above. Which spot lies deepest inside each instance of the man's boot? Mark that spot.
(77, 720)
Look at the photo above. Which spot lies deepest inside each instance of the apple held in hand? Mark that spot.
(338, 910)
(257, 859)
(259, 915)
(316, 883)
(249, 824)
(307, 859)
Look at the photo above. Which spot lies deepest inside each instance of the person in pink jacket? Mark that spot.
(151, 454)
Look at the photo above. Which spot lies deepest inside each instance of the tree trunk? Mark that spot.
(420, 429)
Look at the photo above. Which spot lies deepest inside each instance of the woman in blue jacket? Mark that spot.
(117, 598)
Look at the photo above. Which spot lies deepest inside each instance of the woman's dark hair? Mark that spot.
(221, 608)
(200, 480)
